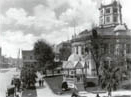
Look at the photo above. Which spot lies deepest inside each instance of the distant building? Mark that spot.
(28, 58)
(61, 49)
(3, 60)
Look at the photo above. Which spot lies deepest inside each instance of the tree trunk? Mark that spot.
(109, 92)
(97, 72)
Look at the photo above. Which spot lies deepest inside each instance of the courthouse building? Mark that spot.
(116, 39)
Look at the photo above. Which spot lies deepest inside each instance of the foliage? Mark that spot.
(111, 75)
(95, 48)
(28, 76)
(44, 54)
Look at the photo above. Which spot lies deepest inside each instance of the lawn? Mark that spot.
(126, 85)
(29, 93)
(55, 83)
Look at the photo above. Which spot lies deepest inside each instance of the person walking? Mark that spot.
(39, 82)
(97, 95)
(42, 82)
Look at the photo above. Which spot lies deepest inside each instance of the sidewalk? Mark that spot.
(45, 91)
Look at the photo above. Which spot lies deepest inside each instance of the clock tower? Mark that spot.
(110, 15)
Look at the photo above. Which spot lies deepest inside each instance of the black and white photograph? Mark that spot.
(65, 48)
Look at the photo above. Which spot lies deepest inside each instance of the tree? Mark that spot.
(43, 53)
(113, 69)
(28, 76)
(95, 49)
(110, 77)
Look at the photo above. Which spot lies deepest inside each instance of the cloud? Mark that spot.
(20, 15)
(79, 13)
(53, 20)
(11, 42)
(45, 17)
(16, 19)
(42, 21)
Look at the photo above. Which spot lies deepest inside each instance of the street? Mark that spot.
(7, 74)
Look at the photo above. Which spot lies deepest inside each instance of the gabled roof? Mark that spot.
(79, 65)
(68, 65)
(75, 64)
(27, 52)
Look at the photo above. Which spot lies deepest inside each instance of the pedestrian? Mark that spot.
(18, 85)
(40, 82)
(97, 95)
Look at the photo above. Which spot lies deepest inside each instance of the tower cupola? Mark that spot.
(110, 15)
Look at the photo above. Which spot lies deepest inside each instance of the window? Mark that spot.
(115, 10)
(72, 72)
(77, 50)
(88, 65)
(101, 21)
(24, 57)
(101, 12)
(105, 48)
(31, 57)
(115, 18)
(107, 19)
(112, 48)
(128, 48)
(108, 10)
(82, 50)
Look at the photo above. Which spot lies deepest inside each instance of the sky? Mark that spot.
(23, 22)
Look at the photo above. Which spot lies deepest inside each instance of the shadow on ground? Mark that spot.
(29, 93)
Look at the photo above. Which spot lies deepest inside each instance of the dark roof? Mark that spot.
(27, 51)
(114, 3)
(106, 31)
(101, 31)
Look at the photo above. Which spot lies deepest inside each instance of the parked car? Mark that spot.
(10, 90)
(82, 94)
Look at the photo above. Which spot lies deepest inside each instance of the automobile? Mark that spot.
(10, 90)
(82, 94)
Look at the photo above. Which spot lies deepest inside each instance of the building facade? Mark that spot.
(114, 35)
(28, 58)
(62, 51)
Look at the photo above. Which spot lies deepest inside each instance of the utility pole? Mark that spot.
(18, 60)
(74, 22)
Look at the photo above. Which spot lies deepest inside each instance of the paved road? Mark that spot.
(46, 92)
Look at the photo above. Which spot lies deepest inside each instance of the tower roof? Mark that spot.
(120, 28)
(74, 57)
(113, 3)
